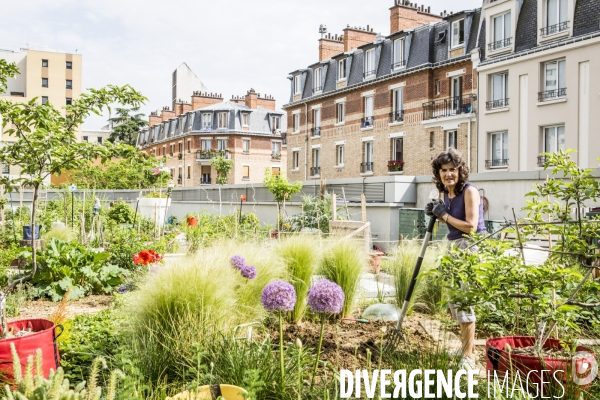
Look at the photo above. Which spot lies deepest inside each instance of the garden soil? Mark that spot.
(44, 308)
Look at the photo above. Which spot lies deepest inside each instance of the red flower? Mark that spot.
(136, 259)
(146, 257)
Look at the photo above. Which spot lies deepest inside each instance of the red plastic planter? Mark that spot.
(192, 221)
(44, 338)
(498, 359)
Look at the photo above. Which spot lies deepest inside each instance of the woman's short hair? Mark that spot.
(445, 157)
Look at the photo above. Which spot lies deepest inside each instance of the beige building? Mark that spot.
(50, 76)
(538, 91)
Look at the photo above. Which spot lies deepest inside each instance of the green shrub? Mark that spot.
(123, 244)
(301, 257)
(7, 255)
(342, 263)
(121, 213)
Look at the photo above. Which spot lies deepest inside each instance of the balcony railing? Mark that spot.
(369, 73)
(449, 107)
(208, 154)
(496, 103)
(315, 131)
(552, 29)
(205, 181)
(397, 116)
(498, 162)
(367, 122)
(499, 44)
(275, 156)
(552, 94)
(541, 161)
(315, 171)
(317, 89)
(398, 64)
(366, 167)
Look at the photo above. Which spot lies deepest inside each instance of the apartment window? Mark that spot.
(297, 84)
(296, 123)
(317, 76)
(339, 154)
(431, 139)
(499, 149)
(317, 122)
(397, 105)
(276, 171)
(5, 169)
(501, 32)
(180, 175)
(458, 33)
(342, 69)
(367, 165)
(171, 148)
(296, 160)
(44, 82)
(164, 151)
(206, 144)
(275, 123)
(189, 172)
(180, 146)
(222, 120)
(437, 87)
(398, 149)
(69, 84)
(189, 146)
(69, 101)
(246, 146)
(499, 86)
(221, 144)
(340, 113)
(556, 16)
(276, 150)
(44, 63)
(316, 161)
(85, 138)
(368, 119)
(554, 76)
(69, 65)
(245, 119)
(246, 172)
(44, 99)
(398, 60)
(99, 139)
(172, 172)
(554, 138)
(369, 63)
(451, 139)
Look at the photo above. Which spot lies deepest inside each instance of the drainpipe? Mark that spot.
(306, 142)
(469, 144)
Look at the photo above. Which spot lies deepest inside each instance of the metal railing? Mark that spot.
(449, 107)
(275, 156)
(551, 29)
(397, 116)
(205, 181)
(315, 131)
(499, 44)
(496, 103)
(498, 162)
(398, 64)
(552, 94)
(369, 73)
(208, 154)
(314, 171)
(367, 122)
(541, 161)
(317, 89)
(366, 167)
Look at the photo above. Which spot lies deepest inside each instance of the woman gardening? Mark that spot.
(462, 211)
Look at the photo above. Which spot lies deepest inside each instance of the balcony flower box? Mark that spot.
(395, 166)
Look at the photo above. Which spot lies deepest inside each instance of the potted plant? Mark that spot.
(192, 219)
(180, 156)
(550, 293)
(395, 166)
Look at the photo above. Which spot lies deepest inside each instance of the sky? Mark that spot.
(231, 45)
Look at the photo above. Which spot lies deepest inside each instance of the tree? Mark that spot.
(223, 166)
(281, 188)
(127, 125)
(45, 141)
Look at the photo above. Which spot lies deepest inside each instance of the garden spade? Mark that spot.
(395, 335)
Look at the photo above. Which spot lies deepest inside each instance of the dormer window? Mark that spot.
(501, 32)
(458, 33)
(342, 69)
(275, 123)
(398, 59)
(207, 121)
(556, 16)
(369, 70)
(297, 84)
(222, 120)
(317, 80)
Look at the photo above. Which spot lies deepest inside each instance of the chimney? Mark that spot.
(238, 99)
(357, 36)
(267, 102)
(204, 99)
(166, 113)
(404, 15)
(329, 46)
(251, 99)
(179, 107)
(154, 118)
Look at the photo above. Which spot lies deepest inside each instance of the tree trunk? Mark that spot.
(26, 278)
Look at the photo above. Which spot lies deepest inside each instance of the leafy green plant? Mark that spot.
(342, 263)
(63, 233)
(281, 189)
(156, 195)
(121, 213)
(316, 214)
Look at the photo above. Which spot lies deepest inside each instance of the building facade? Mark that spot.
(538, 89)
(378, 106)
(247, 129)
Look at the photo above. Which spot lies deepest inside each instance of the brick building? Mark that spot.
(377, 106)
(247, 129)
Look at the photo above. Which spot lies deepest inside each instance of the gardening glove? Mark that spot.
(429, 209)
(439, 209)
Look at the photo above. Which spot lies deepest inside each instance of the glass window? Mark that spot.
(340, 112)
(316, 160)
(499, 88)
(85, 138)
(206, 144)
(398, 149)
(499, 148)
(276, 148)
(369, 62)
(180, 146)
(554, 138)
(246, 172)
(451, 139)
(223, 120)
(317, 86)
(189, 145)
(245, 119)
(342, 69)
(5, 169)
(458, 33)
(296, 122)
(207, 121)
(398, 100)
(44, 63)
(501, 31)
(221, 144)
(555, 75)
(369, 107)
(246, 146)
(276, 171)
(189, 172)
(296, 160)
(297, 84)
(44, 99)
(100, 139)
(431, 139)
(398, 53)
(44, 82)
(275, 122)
(69, 101)
(368, 147)
(69, 65)
(69, 84)
(339, 151)
(556, 12)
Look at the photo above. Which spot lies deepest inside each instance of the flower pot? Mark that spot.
(211, 392)
(192, 221)
(27, 232)
(375, 262)
(43, 338)
(501, 361)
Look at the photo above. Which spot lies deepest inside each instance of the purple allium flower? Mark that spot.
(122, 288)
(237, 261)
(278, 296)
(326, 297)
(248, 272)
